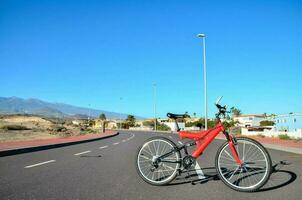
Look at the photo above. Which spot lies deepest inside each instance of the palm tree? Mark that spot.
(235, 111)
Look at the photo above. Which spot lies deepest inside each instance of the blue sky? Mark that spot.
(94, 52)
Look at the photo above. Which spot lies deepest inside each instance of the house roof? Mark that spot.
(288, 115)
(250, 115)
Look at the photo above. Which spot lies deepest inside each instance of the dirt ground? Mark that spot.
(36, 125)
(38, 128)
(7, 136)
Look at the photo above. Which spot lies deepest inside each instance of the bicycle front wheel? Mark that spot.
(254, 171)
(162, 172)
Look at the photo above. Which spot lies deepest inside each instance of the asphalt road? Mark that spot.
(105, 169)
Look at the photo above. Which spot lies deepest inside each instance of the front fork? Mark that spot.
(232, 143)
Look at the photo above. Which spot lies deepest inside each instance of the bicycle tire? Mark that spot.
(246, 168)
(152, 141)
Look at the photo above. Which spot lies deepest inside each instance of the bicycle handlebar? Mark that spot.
(222, 110)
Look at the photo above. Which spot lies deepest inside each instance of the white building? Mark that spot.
(249, 120)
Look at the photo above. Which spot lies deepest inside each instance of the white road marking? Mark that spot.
(116, 143)
(77, 154)
(199, 172)
(129, 138)
(170, 136)
(180, 142)
(103, 147)
(38, 164)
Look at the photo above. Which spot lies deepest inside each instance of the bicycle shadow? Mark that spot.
(279, 178)
(191, 176)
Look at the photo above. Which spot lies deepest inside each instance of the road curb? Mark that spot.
(50, 146)
(282, 148)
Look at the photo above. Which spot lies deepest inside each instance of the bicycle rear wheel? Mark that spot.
(255, 169)
(162, 172)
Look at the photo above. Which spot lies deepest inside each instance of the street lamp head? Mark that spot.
(201, 35)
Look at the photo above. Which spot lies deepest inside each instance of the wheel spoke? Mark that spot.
(254, 166)
(233, 173)
(158, 172)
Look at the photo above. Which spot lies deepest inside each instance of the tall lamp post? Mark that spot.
(154, 105)
(203, 36)
(89, 108)
(120, 113)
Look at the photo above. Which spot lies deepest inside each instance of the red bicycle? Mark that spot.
(241, 163)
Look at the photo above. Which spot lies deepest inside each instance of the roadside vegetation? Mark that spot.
(159, 126)
(163, 127)
(211, 123)
(267, 123)
(284, 137)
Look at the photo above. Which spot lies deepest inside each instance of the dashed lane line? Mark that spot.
(38, 164)
(77, 154)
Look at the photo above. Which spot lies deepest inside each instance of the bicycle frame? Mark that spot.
(204, 138)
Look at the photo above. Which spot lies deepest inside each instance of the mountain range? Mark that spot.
(16, 105)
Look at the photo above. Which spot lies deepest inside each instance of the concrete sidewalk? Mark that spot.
(17, 147)
(292, 146)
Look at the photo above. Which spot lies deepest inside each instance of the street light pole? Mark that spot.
(89, 106)
(154, 105)
(203, 36)
(121, 112)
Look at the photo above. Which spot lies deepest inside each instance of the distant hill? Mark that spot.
(16, 105)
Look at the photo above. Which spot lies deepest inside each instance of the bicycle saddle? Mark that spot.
(177, 116)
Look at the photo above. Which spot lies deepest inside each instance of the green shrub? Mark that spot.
(163, 127)
(87, 131)
(284, 137)
(59, 129)
(235, 130)
(267, 123)
(260, 135)
(14, 127)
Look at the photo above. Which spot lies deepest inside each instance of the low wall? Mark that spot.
(141, 128)
(272, 133)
